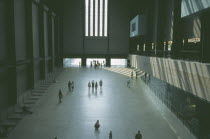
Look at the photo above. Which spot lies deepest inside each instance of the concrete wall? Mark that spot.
(4, 88)
(192, 27)
(155, 21)
(119, 27)
(21, 44)
(169, 21)
(35, 29)
(190, 76)
(20, 29)
(23, 34)
(73, 30)
(36, 41)
(192, 6)
(3, 41)
(46, 35)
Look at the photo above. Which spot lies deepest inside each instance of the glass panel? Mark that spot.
(101, 17)
(96, 17)
(119, 62)
(71, 62)
(86, 17)
(91, 17)
(105, 17)
(100, 60)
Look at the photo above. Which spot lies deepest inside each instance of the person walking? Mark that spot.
(132, 74)
(93, 84)
(128, 83)
(91, 64)
(101, 83)
(110, 135)
(89, 85)
(69, 85)
(97, 125)
(136, 75)
(96, 85)
(138, 135)
(72, 85)
(60, 95)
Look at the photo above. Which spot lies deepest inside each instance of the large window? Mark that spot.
(71, 62)
(96, 18)
(115, 62)
(100, 60)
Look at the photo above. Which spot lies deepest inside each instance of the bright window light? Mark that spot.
(118, 62)
(71, 62)
(96, 17)
(105, 17)
(86, 17)
(91, 17)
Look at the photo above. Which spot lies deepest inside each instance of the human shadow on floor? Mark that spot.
(92, 91)
(101, 90)
(96, 93)
(89, 94)
(97, 132)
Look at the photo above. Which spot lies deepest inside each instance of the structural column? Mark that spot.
(177, 30)
(12, 96)
(41, 43)
(30, 41)
(205, 41)
(161, 26)
(149, 34)
(84, 61)
(51, 31)
(108, 61)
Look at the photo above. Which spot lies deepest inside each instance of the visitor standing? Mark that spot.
(72, 85)
(128, 83)
(96, 85)
(60, 95)
(97, 125)
(101, 83)
(69, 85)
(110, 135)
(138, 135)
(89, 85)
(93, 84)
(132, 74)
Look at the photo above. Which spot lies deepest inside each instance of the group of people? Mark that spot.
(97, 125)
(132, 72)
(71, 86)
(129, 81)
(94, 84)
(96, 64)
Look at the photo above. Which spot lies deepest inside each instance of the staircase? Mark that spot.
(12, 116)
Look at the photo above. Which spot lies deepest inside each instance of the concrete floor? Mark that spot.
(118, 108)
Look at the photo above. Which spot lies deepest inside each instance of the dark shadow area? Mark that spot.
(193, 111)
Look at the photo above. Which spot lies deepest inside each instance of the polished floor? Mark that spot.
(119, 109)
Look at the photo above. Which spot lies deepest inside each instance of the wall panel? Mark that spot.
(192, 77)
(20, 29)
(3, 39)
(73, 30)
(46, 35)
(35, 29)
(22, 78)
